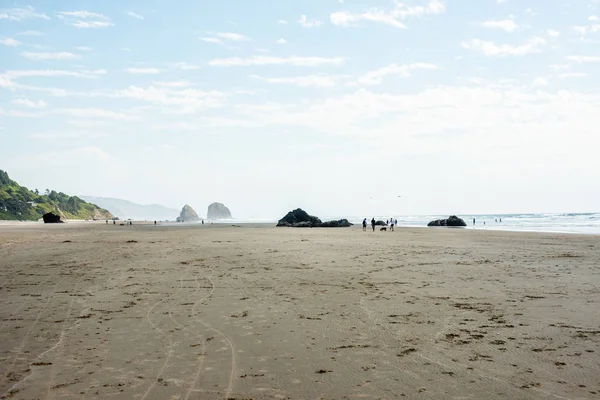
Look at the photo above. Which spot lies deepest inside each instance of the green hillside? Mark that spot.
(19, 203)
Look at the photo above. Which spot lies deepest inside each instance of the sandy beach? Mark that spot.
(89, 311)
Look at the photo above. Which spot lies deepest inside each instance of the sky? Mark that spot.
(341, 107)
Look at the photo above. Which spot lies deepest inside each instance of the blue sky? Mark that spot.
(335, 106)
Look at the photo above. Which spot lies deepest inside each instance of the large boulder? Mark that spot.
(453, 220)
(51, 218)
(299, 218)
(380, 223)
(218, 211)
(188, 214)
(342, 223)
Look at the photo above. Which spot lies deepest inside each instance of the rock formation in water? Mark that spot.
(51, 218)
(299, 218)
(188, 214)
(453, 220)
(218, 211)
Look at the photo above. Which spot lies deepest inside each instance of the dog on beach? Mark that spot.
(383, 229)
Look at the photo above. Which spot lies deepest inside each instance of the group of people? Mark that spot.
(484, 221)
(391, 222)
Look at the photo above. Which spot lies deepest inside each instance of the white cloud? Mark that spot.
(49, 56)
(530, 12)
(271, 60)
(236, 37)
(584, 59)
(81, 14)
(10, 42)
(308, 24)
(85, 19)
(5, 82)
(560, 67)
(282, 22)
(553, 33)
(507, 24)
(186, 66)
(501, 1)
(222, 37)
(282, 41)
(492, 49)
(317, 80)
(540, 81)
(376, 77)
(92, 24)
(30, 33)
(182, 101)
(592, 18)
(19, 14)
(569, 75)
(585, 29)
(146, 70)
(134, 15)
(211, 40)
(95, 113)
(15, 74)
(174, 84)
(66, 135)
(393, 17)
(29, 103)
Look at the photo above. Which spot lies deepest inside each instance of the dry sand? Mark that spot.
(214, 312)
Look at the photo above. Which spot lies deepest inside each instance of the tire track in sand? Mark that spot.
(25, 338)
(163, 334)
(229, 389)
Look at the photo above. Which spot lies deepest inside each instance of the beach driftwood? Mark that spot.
(453, 220)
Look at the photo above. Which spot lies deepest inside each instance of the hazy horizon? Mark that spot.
(337, 107)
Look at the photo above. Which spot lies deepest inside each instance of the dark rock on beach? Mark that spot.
(51, 218)
(342, 223)
(453, 220)
(299, 218)
(380, 223)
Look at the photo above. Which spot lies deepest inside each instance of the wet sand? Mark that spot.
(255, 312)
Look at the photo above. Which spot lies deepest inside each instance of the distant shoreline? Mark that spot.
(246, 224)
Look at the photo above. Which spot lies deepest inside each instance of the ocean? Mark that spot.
(587, 223)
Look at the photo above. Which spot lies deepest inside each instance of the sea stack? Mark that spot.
(188, 214)
(218, 211)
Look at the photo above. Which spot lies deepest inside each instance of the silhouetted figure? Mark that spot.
(373, 224)
(154, 223)
(364, 224)
(473, 221)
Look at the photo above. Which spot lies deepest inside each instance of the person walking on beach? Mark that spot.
(473, 221)
(364, 224)
(391, 225)
(373, 224)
